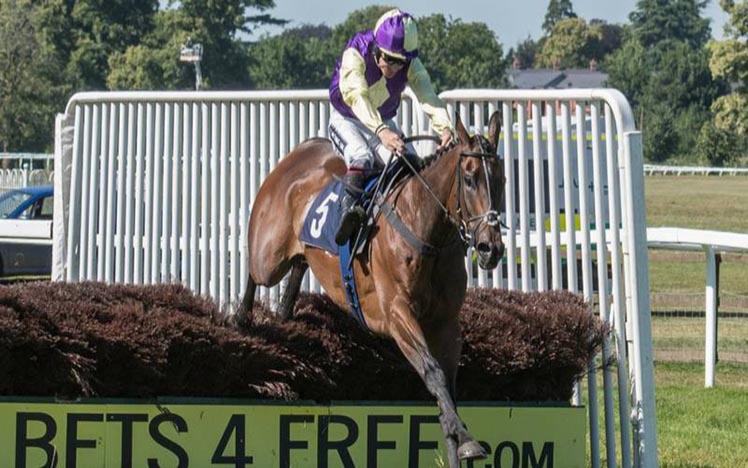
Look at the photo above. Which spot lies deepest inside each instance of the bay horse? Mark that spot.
(409, 294)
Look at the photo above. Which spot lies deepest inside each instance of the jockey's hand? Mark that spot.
(446, 138)
(391, 140)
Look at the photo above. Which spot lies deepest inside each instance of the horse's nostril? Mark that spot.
(483, 248)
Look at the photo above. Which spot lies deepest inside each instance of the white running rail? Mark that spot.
(710, 242)
(653, 169)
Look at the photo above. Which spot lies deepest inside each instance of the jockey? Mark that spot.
(365, 94)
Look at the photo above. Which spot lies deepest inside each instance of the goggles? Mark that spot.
(393, 61)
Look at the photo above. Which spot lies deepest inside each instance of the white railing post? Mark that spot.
(645, 448)
(59, 226)
(710, 348)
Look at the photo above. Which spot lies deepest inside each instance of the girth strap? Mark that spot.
(425, 249)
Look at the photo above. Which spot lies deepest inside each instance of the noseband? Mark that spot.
(491, 217)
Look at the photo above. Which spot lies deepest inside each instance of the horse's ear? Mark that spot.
(462, 133)
(494, 128)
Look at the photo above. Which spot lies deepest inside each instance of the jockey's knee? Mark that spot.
(360, 162)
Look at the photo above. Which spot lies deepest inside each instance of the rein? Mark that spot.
(490, 217)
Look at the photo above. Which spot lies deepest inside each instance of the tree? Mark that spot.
(225, 58)
(557, 11)
(460, 55)
(663, 70)
(611, 36)
(525, 53)
(358, 20)
(680, 81)
(655, 21)
(671, 90)
(83, 34)
(729, 61)
(154, 62)
(720, 147)
(571, 44)
(628, 70)
(28, 97)
(298, 58)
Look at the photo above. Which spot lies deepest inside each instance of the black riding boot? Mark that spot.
(353, 214)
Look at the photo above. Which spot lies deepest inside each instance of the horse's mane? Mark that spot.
(483, 141)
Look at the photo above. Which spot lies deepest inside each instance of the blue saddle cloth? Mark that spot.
(323, 219)
(320, 225)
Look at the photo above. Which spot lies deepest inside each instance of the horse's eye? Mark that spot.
(469, 180)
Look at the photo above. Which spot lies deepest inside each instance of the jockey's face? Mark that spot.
(389, 65)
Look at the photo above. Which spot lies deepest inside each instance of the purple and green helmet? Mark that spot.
(396, 34)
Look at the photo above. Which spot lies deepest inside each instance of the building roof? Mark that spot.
(545, 78)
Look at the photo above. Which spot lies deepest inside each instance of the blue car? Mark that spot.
(27, 203)
(22, 257)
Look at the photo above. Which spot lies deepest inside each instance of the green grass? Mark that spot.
(696, 427)
(697, 202)
(682, 339)
(700, 427)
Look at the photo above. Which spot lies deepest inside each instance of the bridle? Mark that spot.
(464, 218)
(492, 216)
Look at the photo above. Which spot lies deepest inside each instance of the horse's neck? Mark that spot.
(421, 212)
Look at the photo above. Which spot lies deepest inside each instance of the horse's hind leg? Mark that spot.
(292, 289)
(243, 316)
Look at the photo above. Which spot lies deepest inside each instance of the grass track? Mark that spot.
(698, 427)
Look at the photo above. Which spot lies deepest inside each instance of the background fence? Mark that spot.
(653, 169)
(158, 187)
(24, 169)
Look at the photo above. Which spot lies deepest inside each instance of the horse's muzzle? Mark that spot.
(489, 254)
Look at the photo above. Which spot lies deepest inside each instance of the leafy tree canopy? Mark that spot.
(663, 68)
(29, 96)
(460, 55)
(83, 34)
(154, 62)
(557, 10)
(725, 139)
(571, 44)
(655, 21)
(524, 53)
(298, 58)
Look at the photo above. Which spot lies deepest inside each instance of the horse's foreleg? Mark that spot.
(292, 289)
(445, 344)
(409, 336)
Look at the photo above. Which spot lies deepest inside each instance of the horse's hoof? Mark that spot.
(471, 450)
